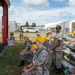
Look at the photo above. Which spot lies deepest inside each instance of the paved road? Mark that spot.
(30, 34)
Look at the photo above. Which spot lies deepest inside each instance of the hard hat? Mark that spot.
(26, 36)
(46, 32)
(74, 32)
(47, 39)
(49, 31)
(34, 45)
(52, 39)
(37, 33)
(41, 39)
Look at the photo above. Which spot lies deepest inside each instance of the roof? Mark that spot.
(52, 24)
(7, 2)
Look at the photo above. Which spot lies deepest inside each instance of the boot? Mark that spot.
(57, 71)
(21, 64)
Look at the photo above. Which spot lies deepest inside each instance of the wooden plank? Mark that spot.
(69, 60)
(66, 64)
(68, 52)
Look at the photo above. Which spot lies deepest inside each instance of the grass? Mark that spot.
(0, 38)
(10, 59)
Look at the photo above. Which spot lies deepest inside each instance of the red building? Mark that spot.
(5, 4)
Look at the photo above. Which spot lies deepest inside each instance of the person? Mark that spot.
(21, 33)
(73, 34)
(40, 60)
(37, 34)
(11, 40)
(29, 70)
(46, 33)
(57, 50)
(49, 34)
(48, 44)
(12, 35)
(26, 52)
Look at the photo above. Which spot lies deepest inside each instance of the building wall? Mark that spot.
(72, 25)
(67, 26)
(12, 26)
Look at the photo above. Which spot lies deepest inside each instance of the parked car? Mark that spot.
(27, 30)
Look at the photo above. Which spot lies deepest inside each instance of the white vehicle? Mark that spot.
(27, 30)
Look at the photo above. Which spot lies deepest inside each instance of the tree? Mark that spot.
(33, 25)
(27, 24)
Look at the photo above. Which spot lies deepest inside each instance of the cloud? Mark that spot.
(57, 0)
(36, 4)
(67, 11)
(20, 14)
(71, 2)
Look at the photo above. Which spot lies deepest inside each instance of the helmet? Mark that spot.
(37, 34)
(46, 32)
(52, 39)
(47, 39)
(74, 32)
(34, 45)
(41, 39)
(26, 36)
(49, 31)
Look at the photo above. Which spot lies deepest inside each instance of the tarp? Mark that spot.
(52, 24)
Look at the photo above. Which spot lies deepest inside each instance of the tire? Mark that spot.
(36, 31)
(27, 31)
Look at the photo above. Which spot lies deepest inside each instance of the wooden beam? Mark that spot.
(1, 4)
(7, 2)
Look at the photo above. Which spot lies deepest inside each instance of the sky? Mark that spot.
(40, 12)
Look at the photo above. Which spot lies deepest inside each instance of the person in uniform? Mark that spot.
(11, 40)
(40, 60)
(49, 34)
(12, 36)
(46, 33)
(73, 34)
(57, 50)
(37, 34)
(26, 52)
(21, 33)
(29, 70)
(48, 45)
